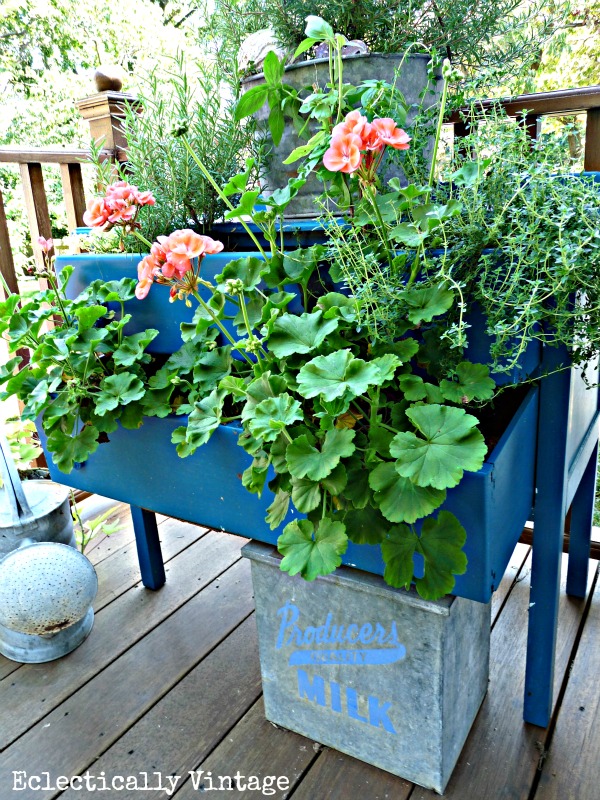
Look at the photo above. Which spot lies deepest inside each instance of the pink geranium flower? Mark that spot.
(354, 123)
(97, 213)
(147, 269)
(170, 262)
(119, 206)
(344, 153)
(145, 199)
(45, 244)
(390, 134)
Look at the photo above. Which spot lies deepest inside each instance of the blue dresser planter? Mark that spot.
(142, 467)
(492, 504)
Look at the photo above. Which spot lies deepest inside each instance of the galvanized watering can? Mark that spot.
(37, 510)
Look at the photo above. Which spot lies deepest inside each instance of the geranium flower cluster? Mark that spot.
(120, 206)
(358, 145)
(170, 263)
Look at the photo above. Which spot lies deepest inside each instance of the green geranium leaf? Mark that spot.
(204, 420)
(379, 440)
(306, 494)
(441, 544)
(260, 389)
(69, 450)
(132, 347)
(278, 509)
(336, 481)
(277, 452)
(249, 270)
(300, 264)
(185, 359)
(118, 390)
(236, 387)
(211, 367)
(105, 424)
(366, 525)
(399, 499)
(357, 489)
(112, 291)
(398, 550)
(407, 233)
(273, 415)
(312, 552)
(157, 402)
(404, 349)
(415, 388)
(293, 334)
(89, 315)
(305, 461)
(425, 304)
(450, 444)
(473, 383)
(386, 366)
(132, 416)
(254, 477)
(7, 369)
(335, 304)
(333, 375)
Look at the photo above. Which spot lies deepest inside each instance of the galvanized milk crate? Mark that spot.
(375, 672)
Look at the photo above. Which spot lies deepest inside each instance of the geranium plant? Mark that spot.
(83, 372)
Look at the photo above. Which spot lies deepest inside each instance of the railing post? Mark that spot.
(36, 205)
(591, 161)
(72, 183)
(105, 113)
(7, 264)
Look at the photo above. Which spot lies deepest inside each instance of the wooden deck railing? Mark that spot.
(530, 108)
(30, 161)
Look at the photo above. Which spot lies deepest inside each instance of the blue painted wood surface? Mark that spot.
(142, 467)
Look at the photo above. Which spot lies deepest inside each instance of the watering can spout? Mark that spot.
(18, 506)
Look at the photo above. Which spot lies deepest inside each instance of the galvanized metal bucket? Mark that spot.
(37, 510)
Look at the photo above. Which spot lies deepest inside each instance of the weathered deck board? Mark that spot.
(254, 747)
(169, 682)
(572, 768)
(41, 687)
(120, 571)
(101, 711)
(190, 721)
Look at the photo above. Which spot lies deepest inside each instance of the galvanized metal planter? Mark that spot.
(374, 672)
(410, 75)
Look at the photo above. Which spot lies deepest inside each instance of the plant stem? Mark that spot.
(382, 226)
(438, 133)
(223, 329)
(222, 197)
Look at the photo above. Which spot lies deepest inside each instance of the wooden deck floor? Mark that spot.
(169, 682)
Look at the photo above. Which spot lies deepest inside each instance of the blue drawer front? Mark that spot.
(142, 467)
